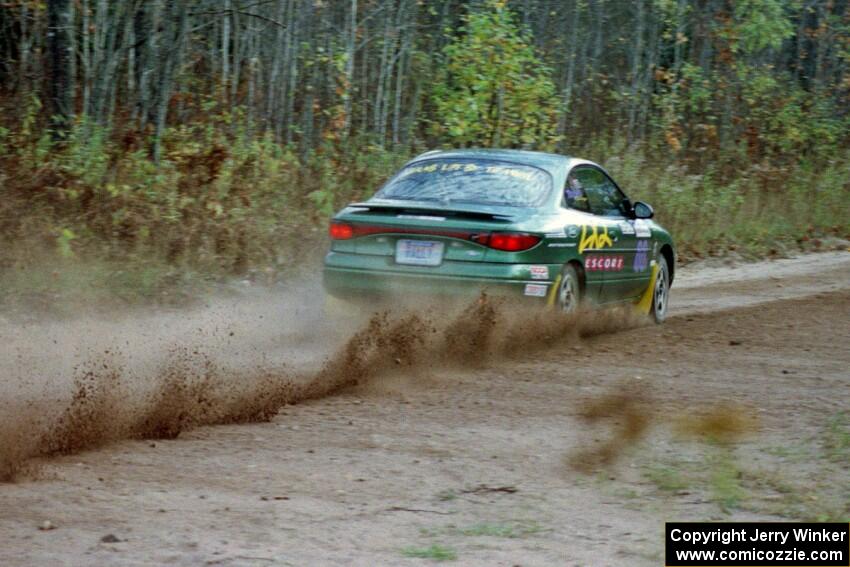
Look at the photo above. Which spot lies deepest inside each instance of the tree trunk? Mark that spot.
(225, 46)
(176, 23)
(569, 77)
(349, 69)
(60, 81)
(637, 57)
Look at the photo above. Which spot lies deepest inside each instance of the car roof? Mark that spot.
(552, 163)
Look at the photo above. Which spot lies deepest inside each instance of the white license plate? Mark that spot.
(419, 252)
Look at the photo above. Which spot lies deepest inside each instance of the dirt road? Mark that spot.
(737, 408)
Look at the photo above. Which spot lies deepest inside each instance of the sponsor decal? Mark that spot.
(535, 290)
(642, 257)
(627, 227)
(594, 238)
(600, 263)
(562, 245)
(572, 231)
(561, 234)
(501, 170)
(445, 167)
(510, 172)
(642, 229)
(539, 272)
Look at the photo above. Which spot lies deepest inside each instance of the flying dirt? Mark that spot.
(398, 433)
(167, 374)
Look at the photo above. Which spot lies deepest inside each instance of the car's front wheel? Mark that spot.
(660, 291)
(569, 290)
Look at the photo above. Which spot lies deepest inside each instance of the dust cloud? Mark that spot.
(79, 383)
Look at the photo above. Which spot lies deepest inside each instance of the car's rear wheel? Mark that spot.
(569, 290)
(660, 291)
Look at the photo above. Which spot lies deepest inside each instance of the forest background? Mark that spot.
(153, 148)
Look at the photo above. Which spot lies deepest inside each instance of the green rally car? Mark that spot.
(554, 229)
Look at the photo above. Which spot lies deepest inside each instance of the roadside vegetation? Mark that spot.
(153, 149)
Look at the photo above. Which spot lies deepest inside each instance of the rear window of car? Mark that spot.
(485, 182)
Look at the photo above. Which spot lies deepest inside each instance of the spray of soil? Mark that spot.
(629, 412)
(219, 379)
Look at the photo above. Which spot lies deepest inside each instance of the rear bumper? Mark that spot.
(356, 275)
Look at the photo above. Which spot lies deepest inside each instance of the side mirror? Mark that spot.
(643, 210)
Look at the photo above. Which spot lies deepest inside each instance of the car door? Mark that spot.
(612, 249)
(591, 233)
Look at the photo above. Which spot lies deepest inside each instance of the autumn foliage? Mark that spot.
(159, 143)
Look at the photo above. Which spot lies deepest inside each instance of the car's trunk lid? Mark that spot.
(380, 225)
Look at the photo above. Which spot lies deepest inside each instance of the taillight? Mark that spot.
(507, 241)
(340, 231)
(510, 242)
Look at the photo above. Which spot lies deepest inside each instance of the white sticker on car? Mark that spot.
(627, 227)
(539, 272)
(642, 229)
(535, 290)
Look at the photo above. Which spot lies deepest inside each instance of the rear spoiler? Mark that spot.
(430, 211)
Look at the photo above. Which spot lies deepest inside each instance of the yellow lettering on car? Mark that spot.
(510, 172)
(592, 238)
(500, 170)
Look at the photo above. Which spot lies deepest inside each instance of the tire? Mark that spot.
(569, 290)
(660, 291)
